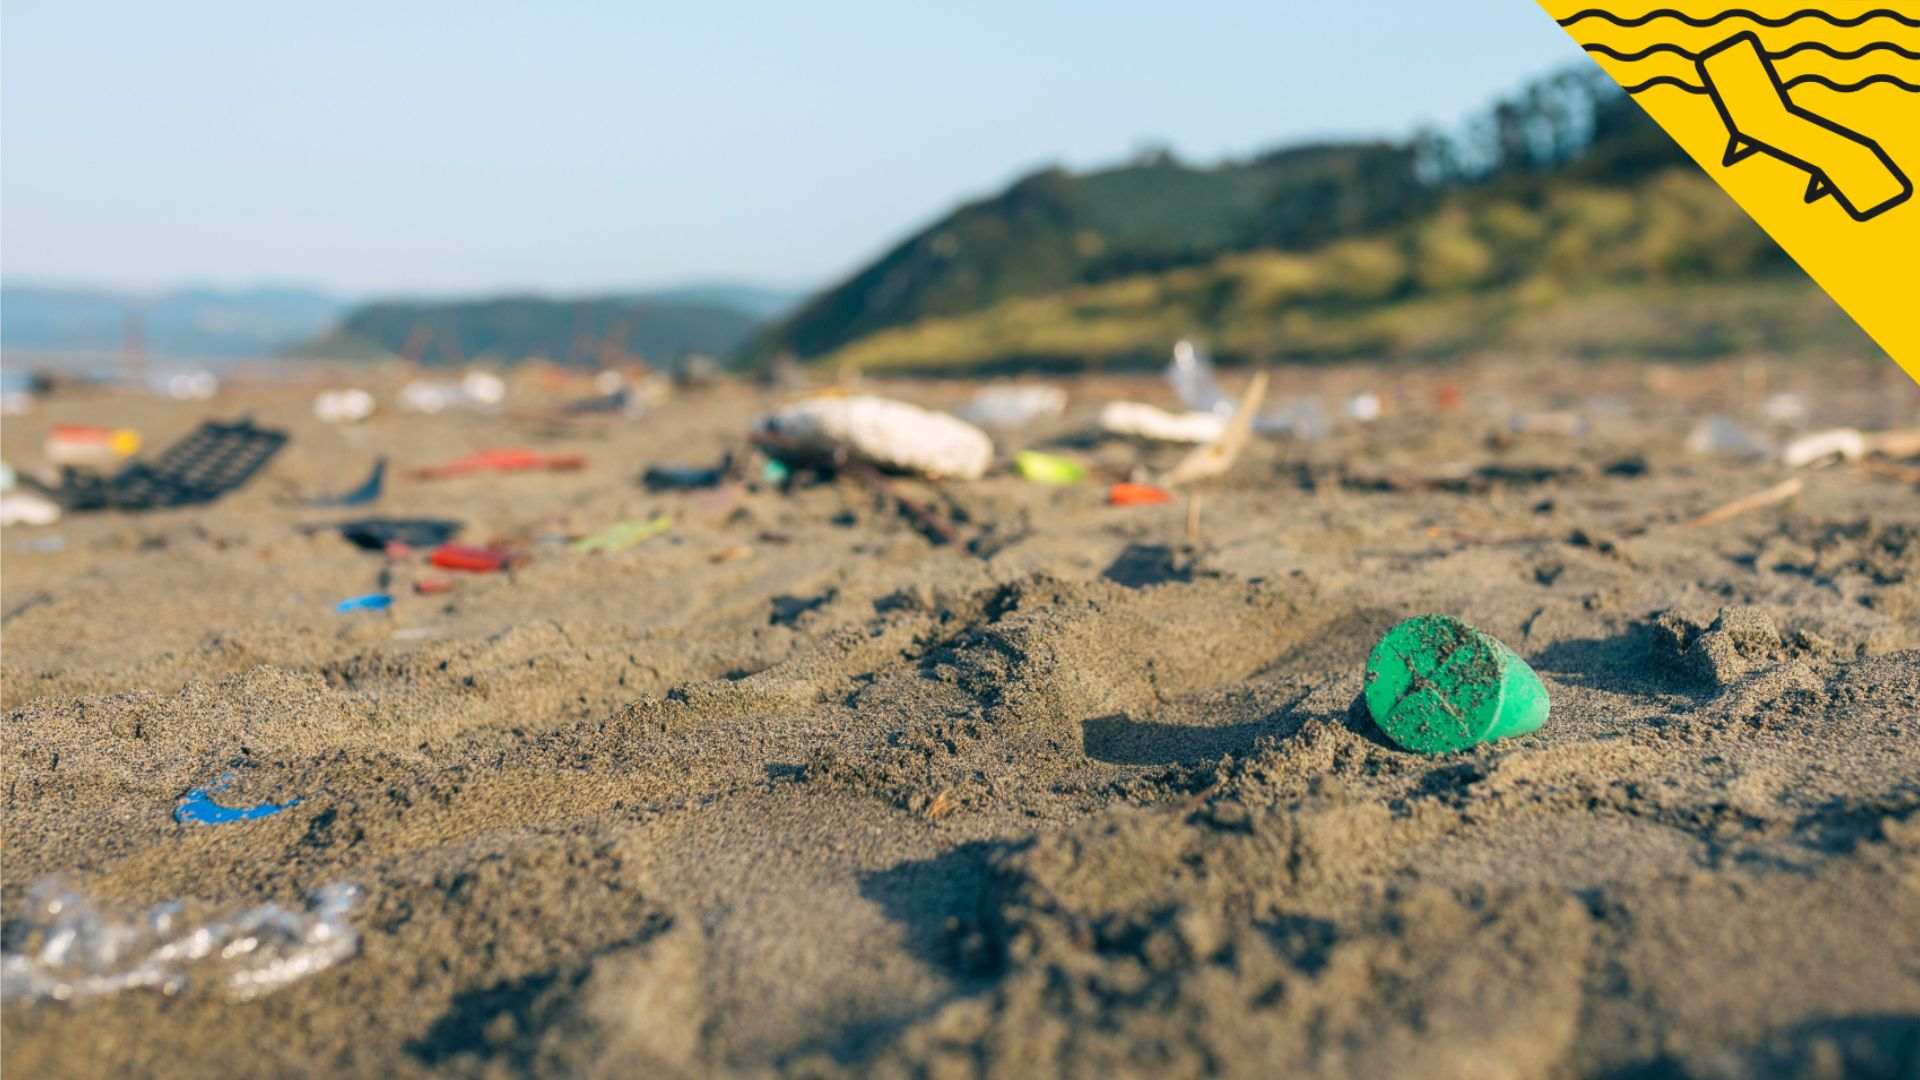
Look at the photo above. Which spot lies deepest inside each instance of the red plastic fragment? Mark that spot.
(504, 460)
(1125, 494)
(432, 586)
(476, 560)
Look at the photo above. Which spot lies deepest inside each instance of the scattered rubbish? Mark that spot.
(369, 602)
(27, 508)
(1565, 424)
(1130, 494)
(368, 491)
(1721, 436)
(504, 460)
(625, 534)
(1436, 685)
(1449, 398)
(1364, 407)
(15, 402)
(1844, 444)
(1140, 421)
(1759, 500)
(343, 406)
(88, 446)
(477, 390)
(834, 432)
(1049, 468)
(1785, 409)
(210, 462)
(1008, 408)
(476, 560)
(1301, 418)
(196, 385)
(197, 807)
(1216, 458)
(615, 401)
(378, 534)
(775, 471)
(8, 478)
(1630, 466)
(687, 477)
(433, 586)
(62, 948)
(1191, 376)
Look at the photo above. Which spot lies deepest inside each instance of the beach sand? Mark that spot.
(791, 790)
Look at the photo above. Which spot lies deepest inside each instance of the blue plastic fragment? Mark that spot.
(378, 601)
(198, 807)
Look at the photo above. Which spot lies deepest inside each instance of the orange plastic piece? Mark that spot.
(1125, 494)
(511, 459)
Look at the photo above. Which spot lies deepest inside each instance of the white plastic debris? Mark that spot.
(1719, 435)
(882, 432)
(1006, 408)
(1136, 420)
(1845, 444)
(1301, 418)
(1785, 409)
(196, 385)
(63, 948)
(15, 402)
(343, 406)
(27, 508)
(8, 477)
(475, 390)
(1191, 375)
(1364, 407)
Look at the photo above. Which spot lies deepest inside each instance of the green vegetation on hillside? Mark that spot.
(1563, 219)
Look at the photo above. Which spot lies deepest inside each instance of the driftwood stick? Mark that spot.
(1759, 500)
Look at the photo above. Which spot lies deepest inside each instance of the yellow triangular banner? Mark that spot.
(1807, 114)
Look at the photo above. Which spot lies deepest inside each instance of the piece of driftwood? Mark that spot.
(1215, 458)
(1759, 500)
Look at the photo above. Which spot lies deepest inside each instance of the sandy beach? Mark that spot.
(791, 790)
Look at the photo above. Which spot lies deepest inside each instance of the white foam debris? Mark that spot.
(879, 431)
(1845, 444)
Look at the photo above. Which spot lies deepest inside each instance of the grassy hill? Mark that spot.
(1562, 219)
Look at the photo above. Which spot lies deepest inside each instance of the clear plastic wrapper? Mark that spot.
(1191, 375)
(64, 948)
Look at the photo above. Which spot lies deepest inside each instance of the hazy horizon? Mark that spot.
(448, 151)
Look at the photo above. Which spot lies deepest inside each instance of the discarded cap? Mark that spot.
(1436, 685)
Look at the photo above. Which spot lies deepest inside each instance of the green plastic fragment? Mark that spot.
(622, 535)
(775, 472)
(1436, 685)
(1049, 468)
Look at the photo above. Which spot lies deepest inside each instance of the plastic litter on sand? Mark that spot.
(622, 535)
(893, 435)
(368, 602)
(198, 807)
(63, 948)
(1008, 408)
(1049, 468)
(1436, 685)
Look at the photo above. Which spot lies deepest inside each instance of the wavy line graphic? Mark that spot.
(1782, 54)
(1739, 13)
(1798, 80)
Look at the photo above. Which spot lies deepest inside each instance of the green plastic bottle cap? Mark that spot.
(1436, 685)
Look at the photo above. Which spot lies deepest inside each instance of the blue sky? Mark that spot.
(433, 148)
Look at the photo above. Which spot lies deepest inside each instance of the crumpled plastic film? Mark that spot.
(63, 948)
